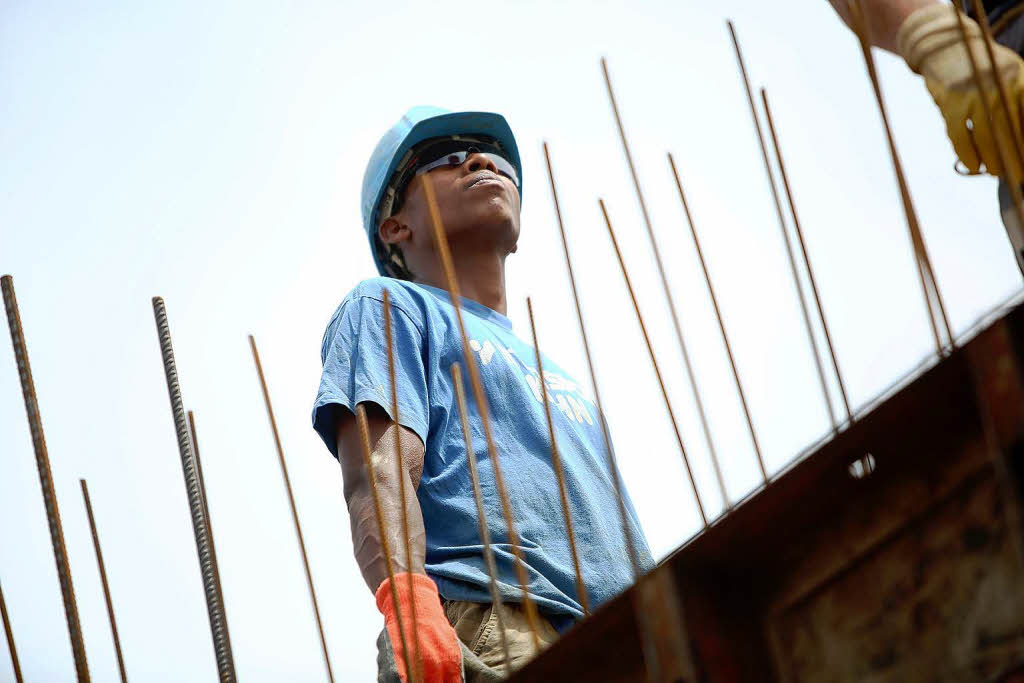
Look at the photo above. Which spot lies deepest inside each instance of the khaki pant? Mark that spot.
(477, 626)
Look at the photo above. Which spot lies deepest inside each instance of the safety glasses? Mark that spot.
(453, 159)
(446, 153)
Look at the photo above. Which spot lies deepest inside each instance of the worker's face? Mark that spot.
(479, 208)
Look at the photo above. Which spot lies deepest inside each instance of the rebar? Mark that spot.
(364, 436)
(929, 287)
(698, 402)
(214, 597)
(103, 580)
(806, 256)
(556, 465)
(654, 361)
(445, 256)
(291, 504)
(417, 674)
(478, 498)
(199, 470)
(35, 424)
(207, 520)
(718, 316)
(613, 469)
(9, 632)
(785, 234)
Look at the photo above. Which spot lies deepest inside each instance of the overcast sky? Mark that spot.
(212, 153)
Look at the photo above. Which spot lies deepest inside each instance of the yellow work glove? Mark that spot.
(931, 42)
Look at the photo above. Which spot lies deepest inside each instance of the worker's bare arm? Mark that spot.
(359, 496)
(884, 17)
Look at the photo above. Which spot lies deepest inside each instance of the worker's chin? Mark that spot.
(494, 227)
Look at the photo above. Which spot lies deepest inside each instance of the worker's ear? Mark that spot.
(394, 231)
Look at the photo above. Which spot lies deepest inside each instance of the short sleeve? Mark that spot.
(355, 368)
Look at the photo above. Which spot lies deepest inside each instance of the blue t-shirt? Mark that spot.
(427, 342)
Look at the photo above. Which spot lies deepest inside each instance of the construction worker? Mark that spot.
(927, 34)
(472, 162)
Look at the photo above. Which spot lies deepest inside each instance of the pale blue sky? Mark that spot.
(212, 153)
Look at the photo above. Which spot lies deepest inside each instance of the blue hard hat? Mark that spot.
(418, 125)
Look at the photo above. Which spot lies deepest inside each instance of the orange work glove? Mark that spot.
(435, 640)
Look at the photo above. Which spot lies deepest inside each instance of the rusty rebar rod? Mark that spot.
(929, 287)
(782, 227)
(9, 632)
(291, 504)
(556, 465)
(402, 475)
(364, 436)
(478, 498)
(718, 316)
(654, 361)
(103, 580)
(665, 287)
(806, 256)
(35, 424)
(445, 256)
(642, 614)
(204, 544)
(613, 469)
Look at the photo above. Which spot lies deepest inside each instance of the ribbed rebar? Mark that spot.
(35, 425)
(199, 473)
(214, 598)
(103, 580)
(206, 505)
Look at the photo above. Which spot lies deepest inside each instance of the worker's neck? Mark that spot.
(480, 275)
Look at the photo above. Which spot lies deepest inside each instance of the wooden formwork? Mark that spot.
(911, 571)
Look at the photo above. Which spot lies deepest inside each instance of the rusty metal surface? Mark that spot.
(103, 581)
(200, 528)
(905, 570)
(9, 633)
(35, 423)
(291, 503)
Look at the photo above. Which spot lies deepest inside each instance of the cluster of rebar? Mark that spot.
(407, 623)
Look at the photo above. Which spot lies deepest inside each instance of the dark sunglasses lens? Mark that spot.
(504, 167)
(453, 159)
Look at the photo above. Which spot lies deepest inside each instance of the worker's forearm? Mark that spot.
(884, 17)
(366, 533)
